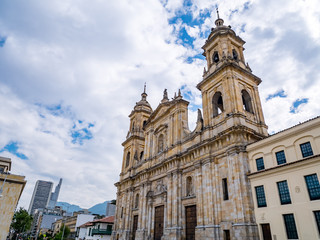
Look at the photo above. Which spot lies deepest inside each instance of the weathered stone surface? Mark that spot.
(213, 156)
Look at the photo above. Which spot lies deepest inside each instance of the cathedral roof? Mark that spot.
(221, 29)
(143, 104)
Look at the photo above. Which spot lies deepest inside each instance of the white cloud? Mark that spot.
(92, 59)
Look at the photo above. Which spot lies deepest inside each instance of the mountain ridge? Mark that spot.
(99, 208)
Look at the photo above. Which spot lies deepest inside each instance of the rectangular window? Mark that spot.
(261, 198)
(281, 158)
(226, 234)
(313, 186)
(260, 164)
(317, 217)
(290, 226)
(306, 149)
(284, 192)
(225, 189)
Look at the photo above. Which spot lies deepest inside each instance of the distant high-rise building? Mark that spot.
(41, 195)
(110, 209)
(55, 195)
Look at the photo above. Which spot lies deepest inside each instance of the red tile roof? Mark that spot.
(87, 224)
(109, 219)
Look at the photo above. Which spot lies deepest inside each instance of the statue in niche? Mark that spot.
(189, 187)
(160, 187)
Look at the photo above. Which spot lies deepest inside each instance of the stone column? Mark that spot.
(199, 195)
(128, 213)
(150, 209)
(124, 211)
(174, 199)
(142, 199)
(140, 233)
(145, 207)
(169, 201)
(211, 201)
(146, 146)
(179, 195)
(217, 200)
(172, 131)
(207, 192)
(206, 105)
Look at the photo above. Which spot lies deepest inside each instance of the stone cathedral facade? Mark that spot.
(182, 184)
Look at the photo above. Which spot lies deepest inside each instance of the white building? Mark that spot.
(99, 229)
(285, 171)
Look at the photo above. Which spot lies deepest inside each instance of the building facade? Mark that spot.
(11, 187)
(110, 208)
(182, 184)
(284, 175)
(41, 196)
(54, 195)
(99, 229)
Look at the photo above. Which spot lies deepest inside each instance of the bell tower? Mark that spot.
(229, 89)
(134, 143)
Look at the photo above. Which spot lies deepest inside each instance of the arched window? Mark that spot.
(136, 202)
(189, 186)
(141, 155)
(132, 129)
(246, 100)
(215, 57)
(160, 143)
(217, 104)
(144, 123)
(235, 54)
(127, 159)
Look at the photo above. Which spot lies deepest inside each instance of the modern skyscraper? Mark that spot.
(41, 195)
(110, 209)
(54, 196)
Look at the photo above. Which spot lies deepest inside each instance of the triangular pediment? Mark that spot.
(160, 110)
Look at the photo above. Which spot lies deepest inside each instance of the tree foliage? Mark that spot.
(65, 232)
(21, 221)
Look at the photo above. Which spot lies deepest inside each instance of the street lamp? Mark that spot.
(64, 225)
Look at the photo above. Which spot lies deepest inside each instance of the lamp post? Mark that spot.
(64, 225)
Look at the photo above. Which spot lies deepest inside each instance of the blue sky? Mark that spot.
(72, 71)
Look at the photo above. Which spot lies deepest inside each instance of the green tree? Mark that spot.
(66, 232)
(21, 221)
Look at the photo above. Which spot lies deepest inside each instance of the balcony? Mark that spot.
(101, 231)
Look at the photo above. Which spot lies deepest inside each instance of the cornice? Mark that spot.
(284, 167)
(289, 132)
(223, 67)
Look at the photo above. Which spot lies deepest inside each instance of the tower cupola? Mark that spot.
(229, 89)
(223, 46)
(219, 22)
(134, 143)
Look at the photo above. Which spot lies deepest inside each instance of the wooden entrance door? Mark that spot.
(191, 222)
(158, 222)
(266, 232)
(135, 226)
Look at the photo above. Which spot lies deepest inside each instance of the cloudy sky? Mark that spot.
(71, 71)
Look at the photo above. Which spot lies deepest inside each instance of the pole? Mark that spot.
(64, 225)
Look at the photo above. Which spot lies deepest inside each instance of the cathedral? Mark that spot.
(182, 184)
